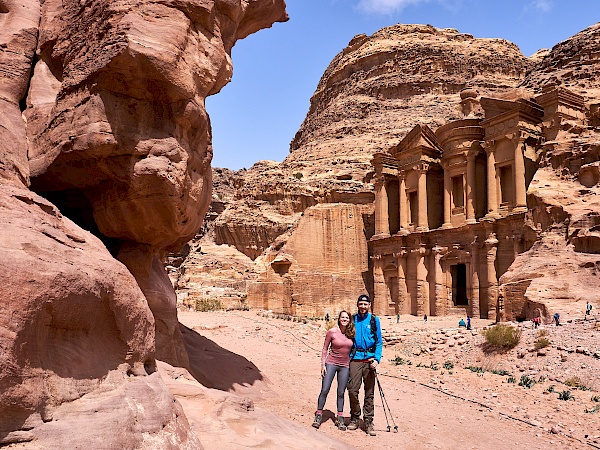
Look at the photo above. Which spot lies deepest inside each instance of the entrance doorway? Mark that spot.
(459, 284)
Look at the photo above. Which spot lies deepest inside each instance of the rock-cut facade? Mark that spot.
(451, 211)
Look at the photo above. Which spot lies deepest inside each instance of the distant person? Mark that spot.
(335, 359)
(468, 322)
(556, 319)
(425, 318)
(536, 322)
(588, 310)
(398, 318)
(326, 317)
(461, 323)
(366, 355)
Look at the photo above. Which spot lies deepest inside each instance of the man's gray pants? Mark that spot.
(360, 371)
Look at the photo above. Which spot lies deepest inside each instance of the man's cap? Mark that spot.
(363, 298)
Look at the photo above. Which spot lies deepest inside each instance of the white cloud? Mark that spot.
(388, 6)
(540, 5)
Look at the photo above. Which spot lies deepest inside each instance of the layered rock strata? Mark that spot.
(102, 111)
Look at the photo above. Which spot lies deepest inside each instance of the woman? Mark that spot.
(335, 359)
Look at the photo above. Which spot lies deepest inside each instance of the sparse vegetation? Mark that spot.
(500, 372)
(596, 398)
(208, 304)
(575, 382)
(475, 369)
(432, 365)
(541, 342)
(551, 389)
(592, 411)
(565, 395)
(502, 337)
(448, 365)
(399, 361)
(526, 381)
(298, 175)
(511, 380)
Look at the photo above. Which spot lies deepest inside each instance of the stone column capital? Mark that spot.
(422, 167)
(491, 241)
(438, 250)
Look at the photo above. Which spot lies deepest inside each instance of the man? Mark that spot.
(365, 357)
(588, 309)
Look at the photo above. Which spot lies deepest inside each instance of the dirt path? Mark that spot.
(447, 408)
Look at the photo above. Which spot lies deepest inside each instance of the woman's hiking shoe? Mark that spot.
(340, 423)
(317, 422)
(353, 425)
(370, 429)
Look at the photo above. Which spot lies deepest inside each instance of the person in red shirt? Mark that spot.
(335, 359)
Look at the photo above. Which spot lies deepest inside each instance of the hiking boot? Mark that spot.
(340, 423)
(370, 429)
(353, 425)
(317, 422)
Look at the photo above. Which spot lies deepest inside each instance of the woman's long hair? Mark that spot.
(350, 331)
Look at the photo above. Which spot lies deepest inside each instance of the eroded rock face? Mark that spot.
(108, 122)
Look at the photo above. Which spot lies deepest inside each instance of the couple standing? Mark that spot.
(352, 350)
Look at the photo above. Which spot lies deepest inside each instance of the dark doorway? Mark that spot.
(459, 284)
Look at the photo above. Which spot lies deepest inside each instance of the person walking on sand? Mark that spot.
(588, 309)
(335, 359)
(366, 355)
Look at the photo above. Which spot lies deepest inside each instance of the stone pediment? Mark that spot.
(497, 110)
(420, 140)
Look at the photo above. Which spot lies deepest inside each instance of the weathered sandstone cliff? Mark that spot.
(369, 97)
(102, 115)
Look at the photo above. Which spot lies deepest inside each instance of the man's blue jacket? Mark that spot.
(365, 346)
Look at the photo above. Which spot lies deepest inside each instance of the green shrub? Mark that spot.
(565, 395)
(502, 336)
(399, 361)
(541, 342)
(596, 398)
(500, 372)
(511, 380)
(526, 381)
(448, 365)
(298, 175)
(551, 389)
(592, 411)
(475, 369)
(208, 304)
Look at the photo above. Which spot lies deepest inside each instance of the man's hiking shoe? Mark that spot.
(317, 422)
(353, 425)
(370, 429)
(340, 423)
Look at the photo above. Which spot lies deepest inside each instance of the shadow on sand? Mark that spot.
(215, 367)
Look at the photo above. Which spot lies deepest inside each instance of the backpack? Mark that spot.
(373, 325)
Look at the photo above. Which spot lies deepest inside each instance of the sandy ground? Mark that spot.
(275, 363)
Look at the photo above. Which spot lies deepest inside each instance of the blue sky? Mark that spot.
(276, 71)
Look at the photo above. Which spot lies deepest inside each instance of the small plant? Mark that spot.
(503, 337)
(475, 369)
(526, 381)
(500, 372)
(575, 382)
(565, 395)
(511, 380)
(551, 389)
(448, 365)
(541, 343)
(434, 366)
(298, 175)
(208, 304)
(542, 333)
(541, 380)
(399, 361)
(596, 398)
(593, 410)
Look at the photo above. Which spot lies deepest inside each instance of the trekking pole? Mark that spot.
(386, 406)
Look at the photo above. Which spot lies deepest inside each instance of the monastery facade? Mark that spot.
(450, 205)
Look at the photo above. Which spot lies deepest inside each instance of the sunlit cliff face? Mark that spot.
(116, 115)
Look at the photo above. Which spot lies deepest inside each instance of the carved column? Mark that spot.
(475, 246)
(491, 245)
(382, 223)
(447, 199)
(422, 222)
(403, 206)
(441, 300)
(422, 287)
(380, 302)
(519, 181)
(492, 194)
(403, 298)
(470, 188)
